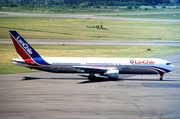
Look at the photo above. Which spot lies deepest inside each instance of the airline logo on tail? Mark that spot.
(25, 51)
(24, 45)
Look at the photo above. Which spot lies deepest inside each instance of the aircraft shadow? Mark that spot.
(105, 79)
(36, 78)
(30, 78)
(98, 79)
(146, 80)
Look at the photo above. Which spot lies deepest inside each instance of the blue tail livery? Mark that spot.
(25, 51)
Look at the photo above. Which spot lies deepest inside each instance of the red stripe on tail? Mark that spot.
(21, 51)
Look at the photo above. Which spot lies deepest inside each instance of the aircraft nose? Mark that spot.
(172, 67)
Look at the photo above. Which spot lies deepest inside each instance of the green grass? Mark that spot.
(159, 16)
(7, 52)
(75, 29)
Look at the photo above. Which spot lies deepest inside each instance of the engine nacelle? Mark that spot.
(111, 73)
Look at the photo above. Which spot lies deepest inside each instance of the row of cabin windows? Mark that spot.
(86, 63)
(99, 63)
(67, 63)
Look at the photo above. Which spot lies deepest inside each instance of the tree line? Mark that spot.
(116, 2)
(87, 3)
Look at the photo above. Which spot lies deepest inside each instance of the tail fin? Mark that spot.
(24, 50)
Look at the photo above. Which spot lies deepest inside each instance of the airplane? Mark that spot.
(110, 67)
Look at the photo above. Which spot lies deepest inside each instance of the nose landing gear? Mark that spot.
(161, 76)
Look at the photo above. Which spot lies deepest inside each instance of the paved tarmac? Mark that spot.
(45, 95)
(96, 42)
(92, 16)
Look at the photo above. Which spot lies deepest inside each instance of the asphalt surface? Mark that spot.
(45, 95)
(92, 16)
(96, 42)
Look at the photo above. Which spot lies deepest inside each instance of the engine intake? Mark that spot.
(111, 73)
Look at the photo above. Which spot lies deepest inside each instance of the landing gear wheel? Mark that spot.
(161, 79)
(161, 76)
(92, 78)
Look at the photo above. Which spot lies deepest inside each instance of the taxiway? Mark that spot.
(97, 42)
(48, 95)
(93, 16)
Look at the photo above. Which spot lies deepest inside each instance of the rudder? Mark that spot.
(24, 50)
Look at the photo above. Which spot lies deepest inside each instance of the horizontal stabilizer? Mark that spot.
(21, 61)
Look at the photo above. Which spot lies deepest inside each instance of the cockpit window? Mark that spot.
(168, 63)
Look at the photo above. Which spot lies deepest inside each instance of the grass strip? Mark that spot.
(75, 29)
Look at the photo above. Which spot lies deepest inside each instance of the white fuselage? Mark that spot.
(99, 65)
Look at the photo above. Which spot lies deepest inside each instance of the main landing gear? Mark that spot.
(161, 76)
(91, 76)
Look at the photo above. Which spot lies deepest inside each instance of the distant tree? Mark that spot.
(164, 6)
(169, 4)
(31, 5)
(129, 7)
(145, 8)
(90, 2)
(84, 4)
(73, 6)
(66, 5)
(23, 4)
(13, 5)
(26, 1)
(6, 1)
(97, 6)
(153, 6)
(105, 7)
(136, 7)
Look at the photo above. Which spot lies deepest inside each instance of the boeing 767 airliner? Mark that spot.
(110, 67)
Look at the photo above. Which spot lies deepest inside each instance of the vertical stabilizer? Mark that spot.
(24, 50)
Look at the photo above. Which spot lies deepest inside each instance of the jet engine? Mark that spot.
(111, 73)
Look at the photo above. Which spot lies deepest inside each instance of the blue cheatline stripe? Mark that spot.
(166, 70)
(40, 61)
(155, 67)
(28, 48)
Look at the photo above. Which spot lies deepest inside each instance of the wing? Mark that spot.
(97, 69)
